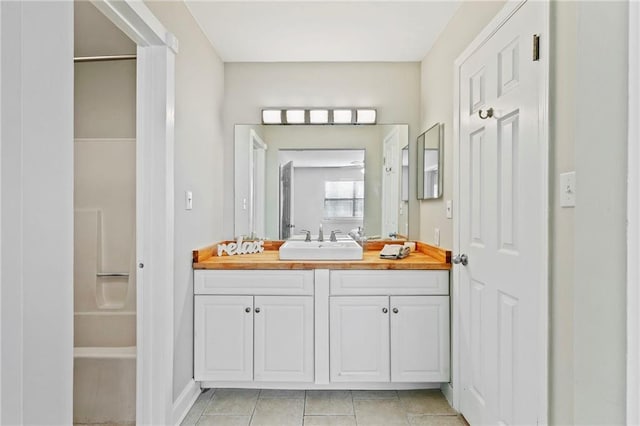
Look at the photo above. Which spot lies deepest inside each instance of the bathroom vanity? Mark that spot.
(261, 322)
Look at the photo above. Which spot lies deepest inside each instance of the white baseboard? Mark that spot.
(184, 402)
(447, 391)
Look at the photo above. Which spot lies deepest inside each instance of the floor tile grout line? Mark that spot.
(254, 407)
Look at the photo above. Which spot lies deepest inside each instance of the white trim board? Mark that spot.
(633, 221)
(154, 205)
(185, 401)
(317, 386)
(511, 7)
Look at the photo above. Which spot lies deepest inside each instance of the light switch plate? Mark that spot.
(449, 209)
(436, 237)
(568, 189)
(188, 200)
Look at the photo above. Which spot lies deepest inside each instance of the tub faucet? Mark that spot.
(320, 235)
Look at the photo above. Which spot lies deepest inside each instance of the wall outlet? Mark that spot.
(449, 207)
(436, 237)
(568, 189)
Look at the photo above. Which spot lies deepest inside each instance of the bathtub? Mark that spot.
(104, 368)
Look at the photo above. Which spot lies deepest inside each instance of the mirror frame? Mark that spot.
(436, 132)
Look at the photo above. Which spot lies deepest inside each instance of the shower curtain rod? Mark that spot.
(104, 58)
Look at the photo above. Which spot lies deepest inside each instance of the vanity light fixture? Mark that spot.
(365, 116)
(271, 116)
(342, 116)
(319, 116)
(295, 116)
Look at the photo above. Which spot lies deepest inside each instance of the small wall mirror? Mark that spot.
(430, 162)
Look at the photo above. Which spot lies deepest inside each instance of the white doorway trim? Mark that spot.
(154, 205)
(454, 392)
(633, 221)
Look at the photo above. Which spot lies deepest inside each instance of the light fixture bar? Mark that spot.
(316, 116)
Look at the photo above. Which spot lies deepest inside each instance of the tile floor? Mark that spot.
(252, 407)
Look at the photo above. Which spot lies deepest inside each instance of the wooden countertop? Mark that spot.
(425, 257)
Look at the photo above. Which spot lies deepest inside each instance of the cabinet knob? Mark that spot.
(247, 310)
(395, 310)
(257, 310)
(385, 310)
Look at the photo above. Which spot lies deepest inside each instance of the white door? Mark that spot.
(359, 338)
(284, 338)
(419, 338)
(391, 182)
(223, 338)
(502, 225)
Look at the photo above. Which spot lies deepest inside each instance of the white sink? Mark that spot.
(346, 249)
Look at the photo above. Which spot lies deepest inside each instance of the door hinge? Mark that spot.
(536, 47)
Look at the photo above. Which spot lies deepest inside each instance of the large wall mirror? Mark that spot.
(290, 178)
(430, 162)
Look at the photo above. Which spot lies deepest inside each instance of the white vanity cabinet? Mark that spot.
(253, 326)
(389, 326)
(321, 328)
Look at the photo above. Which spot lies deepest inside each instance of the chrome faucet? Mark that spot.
(333, 234)
(308, 235)
(320, 235)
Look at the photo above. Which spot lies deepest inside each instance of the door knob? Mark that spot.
(247, 310)
(395, 310)
(257, 310)
(460, 258)
(385, 310)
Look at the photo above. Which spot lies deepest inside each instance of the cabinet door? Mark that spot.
(359, 338)
(283, 338)
(223, 338)
(419, 338)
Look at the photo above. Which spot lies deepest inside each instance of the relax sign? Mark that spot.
(240, 247)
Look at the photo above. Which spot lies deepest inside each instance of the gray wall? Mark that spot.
(601, 92)
(392, 88)
(198, 166)
(436, 105)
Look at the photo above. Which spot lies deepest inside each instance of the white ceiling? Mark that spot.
(322, 31)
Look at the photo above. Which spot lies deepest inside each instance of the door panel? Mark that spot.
(419, 338)
(502, 224)
(223, 338)
(359, 338)
(284, 338)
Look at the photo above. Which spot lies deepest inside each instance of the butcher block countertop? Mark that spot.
(424, 257)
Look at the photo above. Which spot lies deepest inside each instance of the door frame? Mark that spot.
(633, 220)
(394, 133)
(155, 108)
(452, 390)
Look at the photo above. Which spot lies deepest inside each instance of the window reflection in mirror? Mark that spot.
(324, 187)
(366, 202)
(430, 162)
